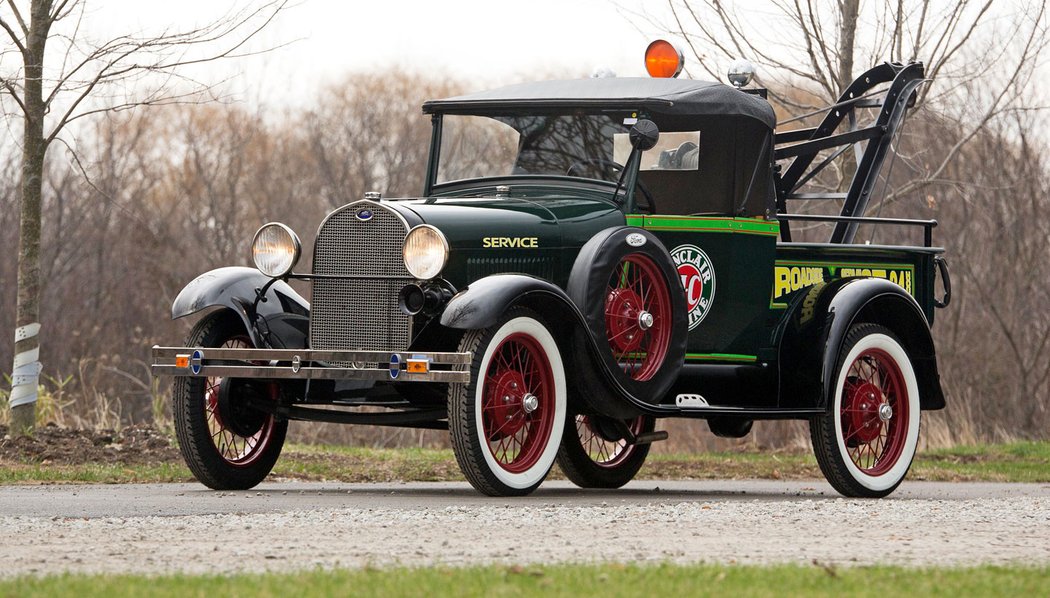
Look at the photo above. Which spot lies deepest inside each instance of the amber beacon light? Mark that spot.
(663, 59)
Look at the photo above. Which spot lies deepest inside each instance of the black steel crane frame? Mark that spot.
(795, 151)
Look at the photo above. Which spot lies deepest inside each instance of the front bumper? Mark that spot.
(307, 364)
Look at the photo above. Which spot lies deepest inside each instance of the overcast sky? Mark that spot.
(487, 41)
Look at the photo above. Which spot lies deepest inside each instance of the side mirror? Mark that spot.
(644, 135)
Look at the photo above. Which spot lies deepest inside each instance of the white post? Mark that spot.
(25, 376)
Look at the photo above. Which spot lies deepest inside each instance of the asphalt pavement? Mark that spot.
(290, 526)
(138, 500)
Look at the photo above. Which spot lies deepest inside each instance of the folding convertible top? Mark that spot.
(673, 97)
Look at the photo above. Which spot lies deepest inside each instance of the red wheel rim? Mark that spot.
(239, 451)
(637, 289)
(518, 403)
(602, 452)
(874, 413)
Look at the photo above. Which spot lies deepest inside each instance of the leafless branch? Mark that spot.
(13, 36)
(961, 42)
(13, 92)
(113, 54)
(18, 17)
(59, 12)
(995, 107)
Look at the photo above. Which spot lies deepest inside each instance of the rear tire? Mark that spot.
(866, 441)
(220, 457)
(591, 461)
(506, 424)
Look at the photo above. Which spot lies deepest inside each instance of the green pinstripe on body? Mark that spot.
(721, 357)
(750, 226)
(833, 266)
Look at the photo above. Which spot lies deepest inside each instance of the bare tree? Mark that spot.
(367, 134)
(87, 78)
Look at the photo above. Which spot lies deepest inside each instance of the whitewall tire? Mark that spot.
(507, 423)
(866, 441)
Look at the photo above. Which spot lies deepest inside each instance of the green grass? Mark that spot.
(732, 465)
(93, 473)
(313, 462)
(562, 580)
(1014, 462)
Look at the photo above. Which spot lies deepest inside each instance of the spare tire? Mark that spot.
(628, 289)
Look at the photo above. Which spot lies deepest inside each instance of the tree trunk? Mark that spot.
(849, 12)
(26, 371)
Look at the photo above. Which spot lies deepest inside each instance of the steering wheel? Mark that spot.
(615, 168)
(602, 163)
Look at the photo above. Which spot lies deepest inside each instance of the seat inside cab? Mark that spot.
(722, 168)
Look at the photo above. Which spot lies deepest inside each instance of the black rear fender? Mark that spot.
(817, 324)
(279, 319)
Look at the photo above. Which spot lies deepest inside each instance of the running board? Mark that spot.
(750, 413)
(700, 409)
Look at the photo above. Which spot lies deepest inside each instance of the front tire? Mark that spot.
(227, 445)
(866, 442)
(506, 424)
(589, 460)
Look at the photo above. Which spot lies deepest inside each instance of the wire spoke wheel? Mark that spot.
(874, 412)
(865, 444)
(506, 424)
(638, 316)
(606, 453)
(237, 449)
(590, 458)
(627, 286)
(518, 408)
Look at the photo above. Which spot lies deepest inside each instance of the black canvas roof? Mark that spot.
(679, 97)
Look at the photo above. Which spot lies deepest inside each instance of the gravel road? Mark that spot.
(164, 528)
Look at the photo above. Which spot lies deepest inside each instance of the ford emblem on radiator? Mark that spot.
(364, 215)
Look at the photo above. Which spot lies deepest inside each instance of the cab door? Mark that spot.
(726, 268)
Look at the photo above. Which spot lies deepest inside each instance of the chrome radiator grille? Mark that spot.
(360, 311)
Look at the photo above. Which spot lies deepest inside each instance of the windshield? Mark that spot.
(577, 145)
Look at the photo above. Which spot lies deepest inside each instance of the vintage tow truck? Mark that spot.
(587, 257)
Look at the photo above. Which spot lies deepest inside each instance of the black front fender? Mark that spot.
(817, 326)
(595, 388)
(279, 319)
(485, 300)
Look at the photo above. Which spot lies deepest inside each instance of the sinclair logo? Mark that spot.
(698, 278)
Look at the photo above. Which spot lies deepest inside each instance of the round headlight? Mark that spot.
(425, 252)
(275, 249)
